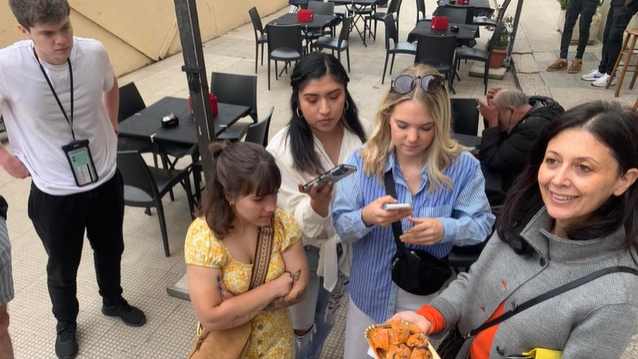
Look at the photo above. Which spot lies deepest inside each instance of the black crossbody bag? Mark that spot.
(413, 270)
(454, 340)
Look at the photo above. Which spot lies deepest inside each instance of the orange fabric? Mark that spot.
(482, 344)
(434, 316)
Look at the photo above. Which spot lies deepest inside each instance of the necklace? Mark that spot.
(408, 178)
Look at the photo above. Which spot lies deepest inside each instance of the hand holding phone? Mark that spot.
(333, 176)
(397, 206)
(378, 213)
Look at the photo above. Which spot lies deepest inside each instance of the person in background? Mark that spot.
(575, 8)
(442, 182)
(221, 246)
(6, 283)
(571, 212)
(618, 17)
(323, 132)
(514, 122)
(67, 144)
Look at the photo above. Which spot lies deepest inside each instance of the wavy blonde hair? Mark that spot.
(442, 151)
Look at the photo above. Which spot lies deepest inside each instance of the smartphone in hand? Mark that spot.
(333, 175)
(397, 206)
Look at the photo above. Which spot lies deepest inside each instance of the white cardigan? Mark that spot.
(317, 231)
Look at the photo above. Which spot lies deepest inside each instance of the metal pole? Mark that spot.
(517, 18)
(195, 68)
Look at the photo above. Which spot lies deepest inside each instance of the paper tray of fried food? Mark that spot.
(399, 340)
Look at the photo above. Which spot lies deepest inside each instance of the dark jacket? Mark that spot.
(507, 153)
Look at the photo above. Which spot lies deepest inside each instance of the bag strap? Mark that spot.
(396, 225)
(262, 254)
(552, 293)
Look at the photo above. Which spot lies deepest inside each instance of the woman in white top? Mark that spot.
(323, 132)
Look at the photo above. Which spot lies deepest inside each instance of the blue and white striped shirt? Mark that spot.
(464, 212)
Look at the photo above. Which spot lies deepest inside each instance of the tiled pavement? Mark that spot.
(145, 270)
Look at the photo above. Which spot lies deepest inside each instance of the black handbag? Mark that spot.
(414, 271)
(454, 340)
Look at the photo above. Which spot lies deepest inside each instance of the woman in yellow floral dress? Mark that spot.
(220, 249)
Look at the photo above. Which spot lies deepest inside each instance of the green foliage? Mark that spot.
(563, 4)
(504, 40)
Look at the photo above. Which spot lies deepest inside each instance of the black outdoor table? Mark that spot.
(359, 5)
(318, 21)
(146, 124)
(479, 6)
(422, 28)
(493, 180)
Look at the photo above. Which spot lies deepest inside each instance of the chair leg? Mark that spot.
(162, 220)
(256, 56)
(348, 57)
(385, 66)
(189, 196)
(262, 54)
(392, 63)
(277, 71)
(486, 75)
(339, 56)
(268, 74)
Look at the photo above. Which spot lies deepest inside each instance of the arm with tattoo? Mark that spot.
(294, 297)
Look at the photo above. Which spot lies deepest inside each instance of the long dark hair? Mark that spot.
(315, 66)
(617, 129)
(241, 168)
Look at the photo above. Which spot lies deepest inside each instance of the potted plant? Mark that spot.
(593, 29)
(502, 42)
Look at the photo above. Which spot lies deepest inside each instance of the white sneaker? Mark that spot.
(602, 82)
(592, 76)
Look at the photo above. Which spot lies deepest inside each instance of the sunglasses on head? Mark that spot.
(406, 83)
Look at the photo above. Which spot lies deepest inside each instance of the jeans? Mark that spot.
(586, 9)
(60, 222)
(617, 20)
(316, 312)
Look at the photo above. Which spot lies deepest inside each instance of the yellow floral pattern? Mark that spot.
(272, 334)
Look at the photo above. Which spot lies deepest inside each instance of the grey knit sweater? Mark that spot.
(595, 320)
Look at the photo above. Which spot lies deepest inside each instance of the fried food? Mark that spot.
(420, 353)
(417, 341)
(398, 340)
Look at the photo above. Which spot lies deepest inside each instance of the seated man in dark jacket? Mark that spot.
(514, 122)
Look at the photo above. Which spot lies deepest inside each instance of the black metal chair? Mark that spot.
(260, 35)
(487, 21)
(457, 15)
(337, 44)
(394, 47)
(466, 53)
(284, 44)
(393, 8)
(258, 132)
(131, 102)
(421, 14)
(146, 186)
(465, 116)
(438, 53)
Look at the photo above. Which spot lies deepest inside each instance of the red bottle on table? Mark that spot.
(213, 104)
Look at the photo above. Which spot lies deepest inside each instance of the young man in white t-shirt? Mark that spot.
(59, 99)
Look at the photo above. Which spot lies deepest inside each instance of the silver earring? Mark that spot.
(298, 113)
(347, 106)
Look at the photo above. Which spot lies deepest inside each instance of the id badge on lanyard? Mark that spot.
(77, 152)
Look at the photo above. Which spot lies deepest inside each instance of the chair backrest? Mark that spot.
(256, 20)
(465, 116)
(258, 132)
(438, 48)
(390, 30)
(135, 172)
(420, 9)
(131, 102)
(284, 36)
(344, 34)
(394, 7)
(457, 15)
(235, 90)
(321, 8)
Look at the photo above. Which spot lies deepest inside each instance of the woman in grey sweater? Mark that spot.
(573, 211)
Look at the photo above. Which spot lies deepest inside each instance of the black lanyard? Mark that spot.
(69, 121)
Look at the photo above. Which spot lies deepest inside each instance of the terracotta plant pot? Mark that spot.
(497, 58)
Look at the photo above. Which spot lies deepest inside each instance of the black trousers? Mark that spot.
(617, 20)
(586, 9)
(60, 221)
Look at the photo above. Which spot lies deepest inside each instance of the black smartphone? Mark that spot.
(333, 175)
